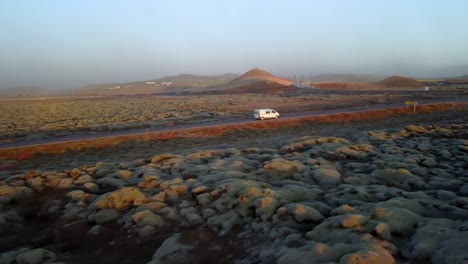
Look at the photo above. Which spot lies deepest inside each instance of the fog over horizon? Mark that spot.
(61, 44)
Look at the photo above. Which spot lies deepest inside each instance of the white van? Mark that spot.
(265, 114)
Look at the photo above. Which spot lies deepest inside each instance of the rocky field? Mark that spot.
(393, 191)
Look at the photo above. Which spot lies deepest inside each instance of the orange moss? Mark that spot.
(21, 154)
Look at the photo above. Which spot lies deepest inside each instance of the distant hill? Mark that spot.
(399, 82)
(449, 72)
(330, 77)
(254, 81)
(460, 77)
(169, 84)
(260, 75)
(460, 80)
(118, 89)
(192, 77)
(24, 91)
(177, 83)
(441, 78)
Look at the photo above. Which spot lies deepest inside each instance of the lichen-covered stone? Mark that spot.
(120, 199)
(146, 217)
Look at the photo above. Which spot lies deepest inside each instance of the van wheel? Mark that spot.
(261, 118)
(276, 117)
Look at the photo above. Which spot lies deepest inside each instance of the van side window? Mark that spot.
(267, 112)
(274, 112)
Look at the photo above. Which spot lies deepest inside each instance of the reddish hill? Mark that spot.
(254, 81)
(261, 75)
(399, 82)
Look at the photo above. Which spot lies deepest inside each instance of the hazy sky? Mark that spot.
(69, 43)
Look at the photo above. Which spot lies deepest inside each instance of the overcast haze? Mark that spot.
(71, 43)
